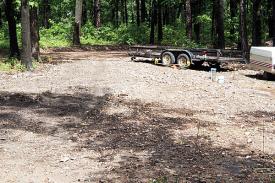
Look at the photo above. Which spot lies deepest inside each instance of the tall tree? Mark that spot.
(273, 24)
(256, 23)
(1, 21)
(218, 9)
(153, 21)
(9, 11)
(188, 14)
(143, 11)
(34, 28)
(197, 6)
(243, 28)
(138, 12)
(126, 11)
(46, 11)
(26, 56)
(233, 15)
(160, 25)
(97, 18)
(84, 13)
(77, 22)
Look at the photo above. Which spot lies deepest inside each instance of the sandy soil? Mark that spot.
(98, 117)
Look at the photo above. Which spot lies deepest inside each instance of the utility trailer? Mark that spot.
(185, 58)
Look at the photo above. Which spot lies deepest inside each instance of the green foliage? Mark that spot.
(109, 34)
(59, 35)
(176, 37)
(11, 65)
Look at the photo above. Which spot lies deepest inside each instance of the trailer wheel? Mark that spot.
(167, 58)
(184, 61)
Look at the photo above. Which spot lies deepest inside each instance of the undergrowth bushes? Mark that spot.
(60, 35)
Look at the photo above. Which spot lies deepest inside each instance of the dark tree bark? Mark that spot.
(243, 29)
(126, 11)
(26, 56)
(34, 28)
(233, 15)
(77, 22)
(122, 11)
(46, 11)
(138, 12)
(9, 11)
(115, 13)
(188, 14)
(153, 21)
(143, 11)
(273, 24)
(197, 6)
(160, 25)
(84, 13)
(1, 21)
(97, 17)
(218, 9)
(256, 23)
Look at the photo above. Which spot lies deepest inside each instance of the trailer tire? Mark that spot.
(167, 58)
(184, 61)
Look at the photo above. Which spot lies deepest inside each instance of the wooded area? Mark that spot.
(210, 23)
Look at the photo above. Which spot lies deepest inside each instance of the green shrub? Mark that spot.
(12, 65)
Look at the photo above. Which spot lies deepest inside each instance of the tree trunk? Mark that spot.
(1, 21)
(188, 14)
(243, 29)
(46, 10)
(126, 11)
(218, 8)
(26, 56)
(197, 26)
(256, 23)
(273, 24)
(9, 11)
(160, 31)
(233, 15)
(143, 11)
(77, 22)
(84, 13)
(97, 18)
(153, 22)
(34, 28)
(138, 12)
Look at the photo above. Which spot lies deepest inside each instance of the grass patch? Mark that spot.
(11, 65)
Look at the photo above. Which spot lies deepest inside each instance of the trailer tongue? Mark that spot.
(186, 57)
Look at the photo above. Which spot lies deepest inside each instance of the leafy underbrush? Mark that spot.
(60, 35)
(11, 65)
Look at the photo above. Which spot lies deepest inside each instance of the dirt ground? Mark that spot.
(96, 116)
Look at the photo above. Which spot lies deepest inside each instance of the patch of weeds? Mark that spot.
(12, 65)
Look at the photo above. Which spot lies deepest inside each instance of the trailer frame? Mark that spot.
(186, 57)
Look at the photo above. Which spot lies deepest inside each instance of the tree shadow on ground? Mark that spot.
(139, 139)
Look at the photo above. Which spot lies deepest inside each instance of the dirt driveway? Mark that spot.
(99, 117)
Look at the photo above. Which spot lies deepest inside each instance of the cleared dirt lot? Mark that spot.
(101, 118)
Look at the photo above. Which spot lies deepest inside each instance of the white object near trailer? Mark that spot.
(263, 58)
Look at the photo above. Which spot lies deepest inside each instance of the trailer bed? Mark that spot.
(198, 54)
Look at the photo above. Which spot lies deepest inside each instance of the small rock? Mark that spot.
(247, 157)
(249, 141)
(64, 159)
(247, 133)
